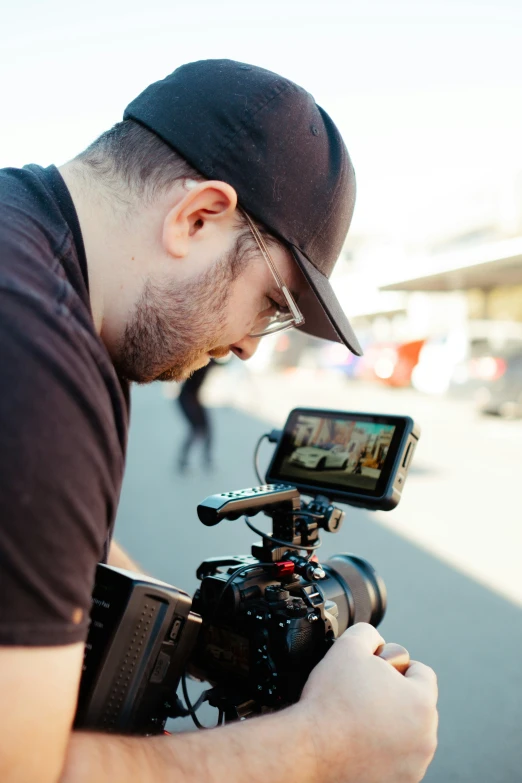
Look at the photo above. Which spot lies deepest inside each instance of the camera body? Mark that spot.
(259, 623)
(269, 618)
(273, 628)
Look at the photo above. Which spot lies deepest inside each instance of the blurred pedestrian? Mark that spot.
(197, 417)
(360, 461)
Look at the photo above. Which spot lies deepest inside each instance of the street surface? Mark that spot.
(449, 553)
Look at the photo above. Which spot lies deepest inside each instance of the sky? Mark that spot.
(428, 95)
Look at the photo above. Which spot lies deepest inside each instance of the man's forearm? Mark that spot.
(268, 748)
(120, 559)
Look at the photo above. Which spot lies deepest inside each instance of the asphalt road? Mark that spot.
(449, 554)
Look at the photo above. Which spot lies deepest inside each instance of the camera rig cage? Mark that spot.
(255, 628)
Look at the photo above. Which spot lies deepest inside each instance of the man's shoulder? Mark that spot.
(26, 197)
(44, 300)
(27, 185)
(39, 259)
(60, 356)
(33, 233)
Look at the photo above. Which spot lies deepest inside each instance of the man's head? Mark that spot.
(191, 276)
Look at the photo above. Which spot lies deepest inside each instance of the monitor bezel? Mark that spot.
(403, 426)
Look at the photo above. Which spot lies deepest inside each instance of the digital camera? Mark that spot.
(258, 623)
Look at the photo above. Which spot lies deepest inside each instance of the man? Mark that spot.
(197, 418)
(211, 216)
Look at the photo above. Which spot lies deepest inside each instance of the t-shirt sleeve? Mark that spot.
(59, 462)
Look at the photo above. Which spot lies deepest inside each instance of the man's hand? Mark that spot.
(367, 722)
(358, 721)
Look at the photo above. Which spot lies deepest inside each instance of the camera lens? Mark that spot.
(356, 588)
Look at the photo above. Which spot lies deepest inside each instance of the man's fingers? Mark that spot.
(394, 654)
(365, 635)
(423, 675)
(367, 638)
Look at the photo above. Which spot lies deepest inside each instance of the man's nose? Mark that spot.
(246, 347)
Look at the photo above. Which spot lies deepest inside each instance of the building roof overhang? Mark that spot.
(485, 267)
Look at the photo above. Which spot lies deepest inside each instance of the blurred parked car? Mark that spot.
(443, 360)
(498, 384)
(390, 363)
(320, 457)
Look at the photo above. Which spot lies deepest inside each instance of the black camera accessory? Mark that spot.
(232, 505)
(361, 459)
(141, 634)
(263, 620)
(269, 617)
(295, 524)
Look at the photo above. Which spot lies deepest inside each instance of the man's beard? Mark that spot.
(175, 326)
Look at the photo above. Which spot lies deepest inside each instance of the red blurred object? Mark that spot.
(390, 363)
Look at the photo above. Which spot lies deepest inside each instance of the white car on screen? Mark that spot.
(320, 457)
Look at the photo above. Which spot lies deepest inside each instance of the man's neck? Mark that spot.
(95, 230)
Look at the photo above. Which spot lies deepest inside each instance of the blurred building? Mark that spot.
(483, 281)
(408, 286)
(423, 301)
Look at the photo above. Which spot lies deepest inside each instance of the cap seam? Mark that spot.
(243, 129)
(344, 163)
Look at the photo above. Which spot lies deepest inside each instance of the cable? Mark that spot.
(274, 436)
(193, 708)
(203, 698)
(256, 457)
(241, 569)
(190, 707)
(279, 540)
(188, 703)
(237, 572)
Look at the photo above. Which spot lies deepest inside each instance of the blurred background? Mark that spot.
(428, 97)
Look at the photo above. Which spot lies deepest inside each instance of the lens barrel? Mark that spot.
(356, 588)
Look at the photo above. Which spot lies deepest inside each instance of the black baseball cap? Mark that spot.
(267, 138)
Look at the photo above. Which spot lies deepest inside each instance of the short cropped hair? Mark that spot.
(138, 158)
(131, 156)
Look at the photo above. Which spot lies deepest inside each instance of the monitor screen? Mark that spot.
(347, 453)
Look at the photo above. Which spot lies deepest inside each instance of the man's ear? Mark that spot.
(205, 203)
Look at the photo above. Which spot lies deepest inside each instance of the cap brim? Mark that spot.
(324, 316)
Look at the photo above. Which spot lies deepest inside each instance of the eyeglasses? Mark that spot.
(276, 318)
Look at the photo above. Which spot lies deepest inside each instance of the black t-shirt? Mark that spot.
(63, 417)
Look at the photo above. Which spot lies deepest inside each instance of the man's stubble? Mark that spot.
(174, 326)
